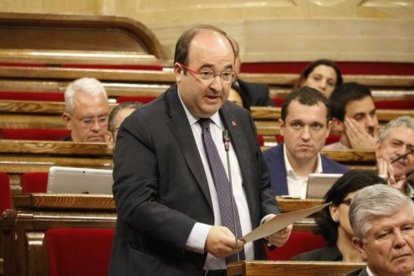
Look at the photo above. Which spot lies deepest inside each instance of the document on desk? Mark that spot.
(279, 222)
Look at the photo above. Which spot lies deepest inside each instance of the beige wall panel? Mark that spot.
(267, 30)
(358, 40)
(93, 7)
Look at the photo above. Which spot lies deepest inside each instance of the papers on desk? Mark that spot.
(279, 222)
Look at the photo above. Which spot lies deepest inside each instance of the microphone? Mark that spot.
(226, 142)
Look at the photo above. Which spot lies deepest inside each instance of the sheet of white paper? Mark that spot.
(279, 222)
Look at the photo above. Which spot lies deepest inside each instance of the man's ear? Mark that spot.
(337, 125)
(378, 150)
(178, 70)
(359, 245)
(329, 127)
(282, 126)
(333, 210)
(67, 119)
(109, 139)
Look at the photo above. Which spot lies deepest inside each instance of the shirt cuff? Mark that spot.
(198, 236)
(269, 216)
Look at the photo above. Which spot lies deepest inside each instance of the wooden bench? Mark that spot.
(23, 228)
(32, 114)
(266, 118)
(127, 82)
(291, 268)
(19, 156)
(80, 58)
(55, 32)
(37, 114)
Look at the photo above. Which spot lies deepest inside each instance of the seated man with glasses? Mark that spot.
(395, 154)
(86, 111)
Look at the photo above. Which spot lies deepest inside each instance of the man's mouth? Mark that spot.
(401, 256)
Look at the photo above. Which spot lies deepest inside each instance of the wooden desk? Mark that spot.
(291, 268)
(23, 229)
(20, 156)
(290, 205)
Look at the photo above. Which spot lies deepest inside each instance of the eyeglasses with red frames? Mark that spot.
(208, 74)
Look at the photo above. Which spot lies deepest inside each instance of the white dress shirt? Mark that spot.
(198, 236)
(297, 185)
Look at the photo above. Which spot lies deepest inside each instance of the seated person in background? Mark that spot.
(253, 94)
(333, 222)
(86, 111)
(322, 74)
(395, 153)
(116, 117)
(235, 96)
(305, 124)
(382, 220)
(354, 116)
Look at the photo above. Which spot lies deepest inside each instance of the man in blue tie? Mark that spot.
(170, 165)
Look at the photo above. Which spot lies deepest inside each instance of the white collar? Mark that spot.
(193, 119)
(288, 166)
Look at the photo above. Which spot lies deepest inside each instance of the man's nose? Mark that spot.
(216, 83)
(399, 239)
(371, 121)
(305, 133)
(96, 125)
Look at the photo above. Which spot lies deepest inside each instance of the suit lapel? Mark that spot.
(183, 134)
(239, 144)
(283, 178)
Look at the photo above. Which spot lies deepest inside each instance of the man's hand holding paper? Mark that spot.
(279, 227)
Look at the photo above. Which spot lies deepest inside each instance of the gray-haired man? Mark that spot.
(382, 220)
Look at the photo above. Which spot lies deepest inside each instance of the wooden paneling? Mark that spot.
(23, 228)
(291, 268)
(76, 32)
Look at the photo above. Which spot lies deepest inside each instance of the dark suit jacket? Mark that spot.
(330, 253)
(255, 94)
(277, 168)
(359, 272)
(161, 190)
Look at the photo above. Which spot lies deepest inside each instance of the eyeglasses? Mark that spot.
(346, 201)
(208, 75)
(90, 121)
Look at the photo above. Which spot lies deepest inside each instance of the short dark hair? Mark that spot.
(344, 94)
(311, 66)
(306, 96)
(114, 112)
(351, 181)
(182, 46)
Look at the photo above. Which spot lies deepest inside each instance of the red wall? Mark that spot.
(371, 68)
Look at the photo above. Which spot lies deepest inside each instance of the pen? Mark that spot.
(402, 156)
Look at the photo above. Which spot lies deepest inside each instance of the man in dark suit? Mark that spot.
(382, 220)
(169, 221)
(252, 94)
(305, 123)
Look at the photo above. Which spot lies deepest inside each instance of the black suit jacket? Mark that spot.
(161, 190)
(359, 272)
(255, 94)
(329, 253)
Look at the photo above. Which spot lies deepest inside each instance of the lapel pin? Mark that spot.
(233, 123)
